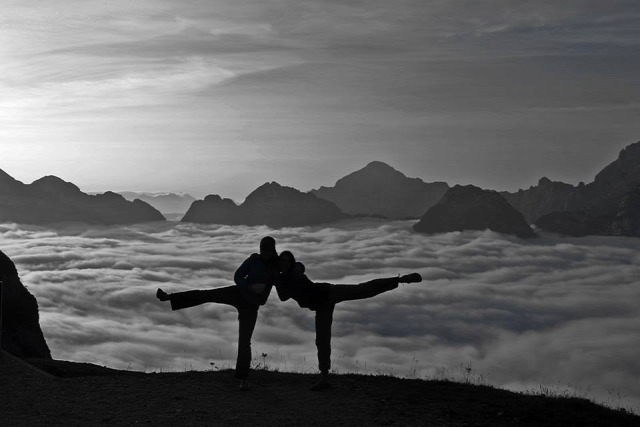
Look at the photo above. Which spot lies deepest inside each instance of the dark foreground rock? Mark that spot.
(472, 208)
(270, 204)
(379, 189)
(52, 200)
(20, 323)
(277, 399)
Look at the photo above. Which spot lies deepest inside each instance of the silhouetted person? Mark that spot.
(322, 298)
(254, 279)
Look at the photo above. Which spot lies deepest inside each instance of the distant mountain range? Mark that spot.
(270, 204)
(610, 205)
(171, 205)
(52, 200)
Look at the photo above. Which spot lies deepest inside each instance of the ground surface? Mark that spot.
(82, 394)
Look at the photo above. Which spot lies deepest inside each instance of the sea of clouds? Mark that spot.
(551, 312)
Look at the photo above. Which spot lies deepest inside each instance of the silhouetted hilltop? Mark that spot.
(270, 204)
(472, 208)
(214, 210)
(51, 199)
(379, 189)
(584, 209)
(166, 203)
(21, 334)
(93, 395)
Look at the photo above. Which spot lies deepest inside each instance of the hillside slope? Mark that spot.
(85, 394)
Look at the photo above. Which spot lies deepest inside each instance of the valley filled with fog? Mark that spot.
(548, 311)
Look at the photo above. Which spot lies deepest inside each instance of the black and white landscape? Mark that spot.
(493, 147)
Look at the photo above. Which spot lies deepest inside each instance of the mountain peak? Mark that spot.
(53, 184)
(6, 179)
(378, 165)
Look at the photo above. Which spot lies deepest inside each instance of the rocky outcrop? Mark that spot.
(270, 204)
(472, 208)
(575, 223)
(546, 197)
(606, 206)
(596, 199)
(379, 189)
(214, 210)
(52, 200)
(21, 333)
(627, 219)
(608, 219)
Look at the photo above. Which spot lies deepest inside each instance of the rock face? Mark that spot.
(622, 219)
(627, 219)
(21, 333)
(50, 200)
(270, 204)
(575, 223)
(546, 197)
(605, 206)
(472, 208)
(379, 189)
(214, 210)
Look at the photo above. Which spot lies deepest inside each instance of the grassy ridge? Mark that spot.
(85, 394)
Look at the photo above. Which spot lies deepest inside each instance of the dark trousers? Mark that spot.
(247, 316)
(324, 314)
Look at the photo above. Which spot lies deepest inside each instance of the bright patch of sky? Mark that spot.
(221, 96)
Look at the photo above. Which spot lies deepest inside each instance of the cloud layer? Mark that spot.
(551, 311)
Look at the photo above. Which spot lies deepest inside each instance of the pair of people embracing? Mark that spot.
(254, 280)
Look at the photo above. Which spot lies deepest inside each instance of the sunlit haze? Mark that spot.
(221, 96)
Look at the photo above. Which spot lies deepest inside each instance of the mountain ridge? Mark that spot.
(270, 204)
(51, 199)
(379, 189)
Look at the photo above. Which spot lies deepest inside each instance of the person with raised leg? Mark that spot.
(253, 282)
(322, 298)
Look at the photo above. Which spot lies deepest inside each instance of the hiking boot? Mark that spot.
(410, 278)
(162, 295)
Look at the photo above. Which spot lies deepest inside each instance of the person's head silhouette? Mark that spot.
(287, 262)
(268, 248)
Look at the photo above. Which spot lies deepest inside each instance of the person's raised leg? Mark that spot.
(324, 320)
(247, 322)
(229, 295)
(371, 288)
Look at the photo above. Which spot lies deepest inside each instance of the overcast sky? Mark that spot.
(219, 96)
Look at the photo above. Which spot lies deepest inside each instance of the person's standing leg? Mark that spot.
(324, 320)
(247, 317)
